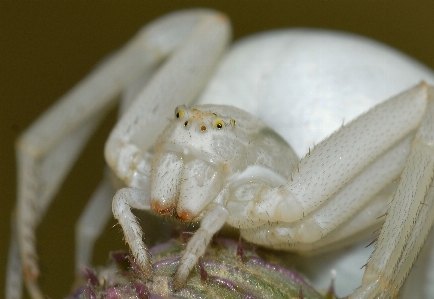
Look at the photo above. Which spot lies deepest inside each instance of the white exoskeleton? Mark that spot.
(218, 165)
(210, 163)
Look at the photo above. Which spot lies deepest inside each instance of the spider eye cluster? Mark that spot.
(216, 121)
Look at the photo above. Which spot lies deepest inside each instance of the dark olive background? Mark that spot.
(47, 46)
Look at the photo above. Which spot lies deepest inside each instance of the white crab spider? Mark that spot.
(199, 38)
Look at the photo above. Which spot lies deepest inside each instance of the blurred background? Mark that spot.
(48, 46)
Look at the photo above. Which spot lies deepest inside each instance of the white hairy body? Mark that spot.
(221, 165)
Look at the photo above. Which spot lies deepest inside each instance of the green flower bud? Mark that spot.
(226, 270)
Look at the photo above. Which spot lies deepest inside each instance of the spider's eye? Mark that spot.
(233, 122)
(179, 113)
(203, 128)
(218, 123)
(186, 123)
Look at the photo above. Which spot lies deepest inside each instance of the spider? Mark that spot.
(216, 164)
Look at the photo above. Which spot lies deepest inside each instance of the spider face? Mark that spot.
(193, 157)
(198, 131)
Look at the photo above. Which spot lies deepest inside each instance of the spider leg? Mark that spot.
(98, 210)
(44, 158)
(179, 81)
(360, 226)
(92, 222)
(342, 173)
(124, 200)
(410, 217)
(210, 224)
(47, 150)
(14, 281)
(419, 281)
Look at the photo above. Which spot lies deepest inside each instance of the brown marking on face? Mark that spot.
(185, 215)
(161, 209)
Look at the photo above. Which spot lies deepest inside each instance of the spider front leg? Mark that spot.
(409, 218)
(98, 211)
(47, 150)
(347, 173)
(124, 200)
(370, 151)
(179, 81)
(210, 225)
